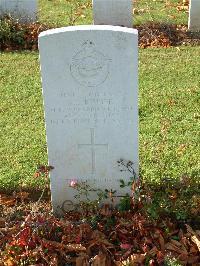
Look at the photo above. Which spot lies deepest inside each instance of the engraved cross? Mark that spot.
(93, 146)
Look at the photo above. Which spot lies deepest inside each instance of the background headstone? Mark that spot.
(90, 79)
(113, 12)
(194, 15)
(24, 10)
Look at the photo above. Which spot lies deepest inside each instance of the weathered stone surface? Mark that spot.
(194, 15)
(24, 10)
(113, 12)
(90, 80)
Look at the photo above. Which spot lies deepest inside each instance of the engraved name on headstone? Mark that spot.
(113, 12)
(194, 15)
(89, 79)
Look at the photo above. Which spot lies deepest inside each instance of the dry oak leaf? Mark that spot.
(137, 258)
(153, 251)
(106, 211)
(177, 247)
(190, 230)
(188, 260)
(100, 238)
(82, 260)
(75, 247)
(7, 201)
(9, 262)
(101, 260)
(198, 232)
(69, 247)
(22, 195)
(162, 243)
(192, 260)
(196, 241)
(101, 242)
(177, 243)
(2, 222)
(195, 236)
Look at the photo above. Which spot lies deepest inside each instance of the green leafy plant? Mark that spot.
(170, 261)
(11, 32)
(19, 36)
(176, 199)
(88, 199)
(127, 201)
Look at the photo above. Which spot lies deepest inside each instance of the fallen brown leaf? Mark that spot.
(82, 260)
(101, 260)
(8, 201)
(2, 222)
(196, 241)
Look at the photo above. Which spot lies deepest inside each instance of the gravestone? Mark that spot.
(194, 15)
(23, 10)
(89, 79)
(113, 12)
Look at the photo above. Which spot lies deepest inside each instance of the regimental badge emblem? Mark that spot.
(90, 67)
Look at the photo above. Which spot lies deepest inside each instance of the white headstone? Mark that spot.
(90, 80)
(194, 15)
(113, 12)
(24, 10)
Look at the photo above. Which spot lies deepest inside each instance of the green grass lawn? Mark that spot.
(169, 99)
(22, 125)
(169, 112)
(61, 12)
(169, 115)
(159, 11)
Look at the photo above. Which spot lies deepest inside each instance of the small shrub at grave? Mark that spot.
(177, 200)
(17, 36)
(31, 235)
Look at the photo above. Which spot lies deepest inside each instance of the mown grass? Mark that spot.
(169, 112)
(60, 12)
(169, 115)
(22, 126)
(164, 11)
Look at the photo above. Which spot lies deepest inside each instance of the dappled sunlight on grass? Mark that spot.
(169, 114)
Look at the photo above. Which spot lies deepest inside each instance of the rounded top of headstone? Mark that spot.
(88, 28)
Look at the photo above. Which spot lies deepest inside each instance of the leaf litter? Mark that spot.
(151, 35)
(31, 235)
